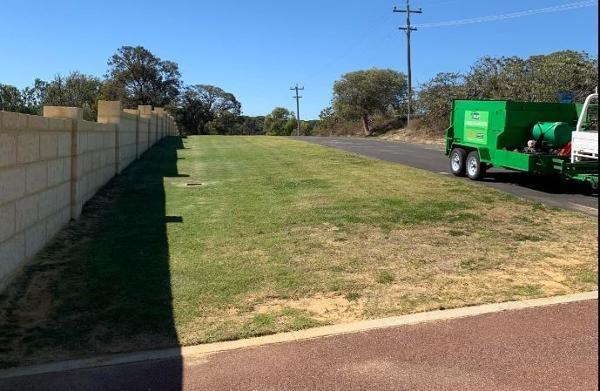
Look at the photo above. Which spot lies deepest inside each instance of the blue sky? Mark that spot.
(258, 49)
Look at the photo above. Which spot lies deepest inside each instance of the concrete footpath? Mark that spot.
(543, 348)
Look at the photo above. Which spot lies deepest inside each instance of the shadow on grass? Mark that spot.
(546, 184)
(103, 285)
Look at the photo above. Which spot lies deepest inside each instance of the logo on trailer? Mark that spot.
(476, 127)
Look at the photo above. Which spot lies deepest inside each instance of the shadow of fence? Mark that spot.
(103, 285)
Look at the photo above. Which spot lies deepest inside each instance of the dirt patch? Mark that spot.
(325, 308)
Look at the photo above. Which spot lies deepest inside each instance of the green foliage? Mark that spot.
(281, 122)
(537, 79)
(28, 101)
(33, 97)
(135, 76)
(436, 96)
(10, 98)
(74, 90)
(224, 122)
(138, 77)
(362, 94)
(252, 125)
(205, 109)
(328, 118)
(308, 127)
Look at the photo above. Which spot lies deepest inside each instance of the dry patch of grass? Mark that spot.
(281, 235)
(419, 136)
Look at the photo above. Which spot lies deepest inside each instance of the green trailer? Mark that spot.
(536, 138)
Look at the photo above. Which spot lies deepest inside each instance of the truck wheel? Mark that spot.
(475, 169)
(458, 156)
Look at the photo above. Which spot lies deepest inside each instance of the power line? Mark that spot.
(512, 15)
(369, 36)
(297, 97)
(408, 28)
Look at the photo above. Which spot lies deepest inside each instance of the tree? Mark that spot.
(10, 98)
(224, 123)
(138, 77)
(200, 105)
(436, 96)
(328, 120)
(566, 70)
(537, 78)
(308, 127)
(361, 94)
(33, 97)
(281, 122)
(252, 125)
(74, 90)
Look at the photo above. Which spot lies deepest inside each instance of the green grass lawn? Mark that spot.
(217, 238)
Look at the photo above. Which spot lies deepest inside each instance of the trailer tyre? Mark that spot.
(458, 158)
(475, 169)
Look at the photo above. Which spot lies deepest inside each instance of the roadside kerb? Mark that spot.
(195, 353)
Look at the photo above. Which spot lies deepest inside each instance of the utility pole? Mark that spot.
(297, 97)
(408, 28)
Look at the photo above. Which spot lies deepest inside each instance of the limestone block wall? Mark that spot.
(94, 161)
(143, 134)
(51, 165)
(127, 140)
(35, 172)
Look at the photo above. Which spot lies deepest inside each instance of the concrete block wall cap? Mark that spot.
(13, 122)
(63, 112)
(145, 110)
(109, 108)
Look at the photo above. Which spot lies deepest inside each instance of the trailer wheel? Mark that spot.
(458, 157)
(475, 169)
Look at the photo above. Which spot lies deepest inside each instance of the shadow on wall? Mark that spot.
(103, 286)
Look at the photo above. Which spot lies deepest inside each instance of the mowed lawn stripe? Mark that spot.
(216, 238)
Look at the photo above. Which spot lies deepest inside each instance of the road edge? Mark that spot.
(193, 353)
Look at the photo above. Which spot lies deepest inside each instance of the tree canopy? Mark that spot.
(536, 78)
(10, 98)
(281, 122)
(362, 94)
(137, 77)
(367, 99)
(205, 109)
(74, 90)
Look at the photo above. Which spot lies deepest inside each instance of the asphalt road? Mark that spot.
(549, 192)
(547, 348)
